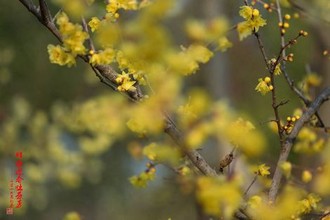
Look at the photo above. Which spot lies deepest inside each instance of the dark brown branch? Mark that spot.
(289, 140)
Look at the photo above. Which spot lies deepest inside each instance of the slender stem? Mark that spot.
(253, 181)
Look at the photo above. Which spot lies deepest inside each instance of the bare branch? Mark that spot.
(289, 140)
(193, 155)
(45, 13)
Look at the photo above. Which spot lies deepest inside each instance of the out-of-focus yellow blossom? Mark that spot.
(207, 31)
(135, 150)
(80, 118)
(75, 8)
(69, 178)
(263, 86)
(242, 134)
(285, 3)
(308, 204)
(162, 153)
(58, 56)
(199, 53)
(224, 44)
(286, 168)
(254, 202)
(73, 35)
(309, 81)
(322, 180)
(198, 134)
(146, 118)
(143, 178)
(95, 145)
(114, 5)
(253, 21)
(72, 216)
(263, 170)
(198, 104)
(104, 57)
(184, 171)
(308, 141)
(306, 176)
(34, 173)
(182, 63)
(286, 206)
(187, 61)
(94, 23)
(218, 197)
(108, 34)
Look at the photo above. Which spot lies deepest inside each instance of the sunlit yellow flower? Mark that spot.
(263, 87)
(286, 168)
(263, 170)
(253, 21)
(58, 56)
(102, 58)
(94, 23)
(224, 44)
(254, 202)
(306, 176)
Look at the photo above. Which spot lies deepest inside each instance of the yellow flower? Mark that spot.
(103, 57)
(253, 21)
(94, 23)
(73, 35)
(263, 170)
(306, 176)
(72, 216)
(58, 56)
(286, 168)
(254, 202)
(224, 44)
(199, 53)
(218, 197)
(263, 87)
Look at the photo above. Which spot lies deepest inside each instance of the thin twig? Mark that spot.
(248, 188)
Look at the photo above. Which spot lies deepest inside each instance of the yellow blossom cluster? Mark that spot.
(73, 42)
(308, 141)
(253, 21)
(162, 153)
(310, 81)
(75, 8)
(124, 82)
(210, 31)
(58, 55)
(187, 61)
(103, 57)
(114, 5)
(264, 86)
(73, 35)
(262, 170)
(291, 204)
(217, 196)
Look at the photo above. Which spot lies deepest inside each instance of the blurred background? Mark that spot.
(37, 99)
